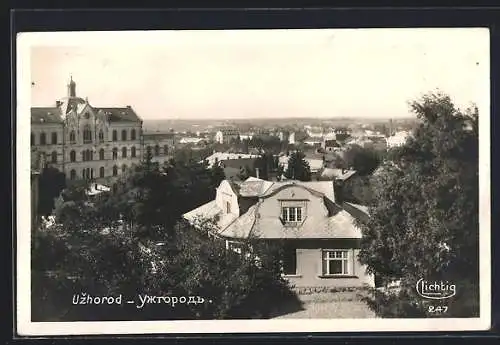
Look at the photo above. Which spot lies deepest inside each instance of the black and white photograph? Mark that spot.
(238, 181)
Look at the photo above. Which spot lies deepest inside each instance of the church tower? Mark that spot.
(71, 88)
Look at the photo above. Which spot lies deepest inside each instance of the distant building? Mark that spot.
(161, 145)
(291, 138)
(330, 145)
(313, 141)
(226, 136)
(314, 164)
(315, 132)
(246, 136)
(86, 142)
(398, 139)
(192, 140)
(230, 159)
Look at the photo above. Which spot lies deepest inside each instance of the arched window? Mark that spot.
(72, 174)
(115, 135)
(32, 139)
(54, 157)
(101, 172)
(115, 153)
(91, 173)
(84, 173)
(101, 136)
(91, 155)
(84, 156)
(165, 150)
(53, 138)
(124, 152)
(87, 134)
(115, 170)
(72, 156)
(132, 134)
(43, 139)
(101, 154)
(124, 168)
(124, 134)
(157, 150)
(72, 137)
(132, 152)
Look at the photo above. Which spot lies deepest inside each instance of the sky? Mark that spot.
(245, 74)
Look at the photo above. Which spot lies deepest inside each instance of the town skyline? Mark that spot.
(234, 75)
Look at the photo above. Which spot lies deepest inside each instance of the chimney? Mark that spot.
(257, 173)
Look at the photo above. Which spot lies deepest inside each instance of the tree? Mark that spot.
(298, 168)
(244, 173)
(358, 190)
(50, 184)
(363, 160)
(217, 175)
(424, 222)
(112, 262)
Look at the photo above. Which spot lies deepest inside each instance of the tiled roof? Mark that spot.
(322, 187)
(46, 115)
(252, 187)
(340, 223)
(69, 103)
(158, 135)
(126, 114)
(332, 143)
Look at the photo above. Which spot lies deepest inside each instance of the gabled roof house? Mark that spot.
(320, 236)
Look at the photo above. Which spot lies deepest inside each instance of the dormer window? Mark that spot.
(291, 214)
(228, 207)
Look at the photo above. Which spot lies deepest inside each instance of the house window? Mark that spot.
(336, 262)
(115, 170)
(54, 157)
(43, 139)
(290, 261)
(165, 150)
(124, 168)
(234, 246)
(115, 153)
(132, 151)
(101, 154)
(132, 134)
(72, 156)
(87, 135)
(32, 139)
(72, 174)
(291, 214)
(148, 149)
(157, 150)
(228, 207)
(53, 138)
(101, 136)
(101, 172)
(72, 137)
(124, 152)
(124, 135)
(115, 135)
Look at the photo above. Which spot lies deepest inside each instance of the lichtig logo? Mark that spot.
(436, 289)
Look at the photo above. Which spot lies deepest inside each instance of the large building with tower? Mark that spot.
(94, 143)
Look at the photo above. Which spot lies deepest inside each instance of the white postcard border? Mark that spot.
(23, 301)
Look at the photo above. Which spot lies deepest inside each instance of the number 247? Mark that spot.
(438, 309)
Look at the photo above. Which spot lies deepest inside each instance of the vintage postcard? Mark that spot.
(253, 181)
